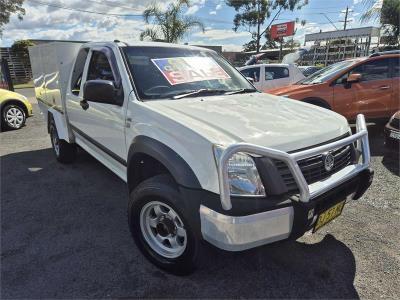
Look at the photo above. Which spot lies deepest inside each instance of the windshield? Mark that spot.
(166, 72)
(327, 72)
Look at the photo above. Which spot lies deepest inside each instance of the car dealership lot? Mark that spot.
(64, 234)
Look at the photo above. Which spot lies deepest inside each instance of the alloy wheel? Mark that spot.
(163, 229)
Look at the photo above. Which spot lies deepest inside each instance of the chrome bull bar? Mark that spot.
(307, 192)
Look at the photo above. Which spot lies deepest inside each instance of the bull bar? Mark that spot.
(307, 192)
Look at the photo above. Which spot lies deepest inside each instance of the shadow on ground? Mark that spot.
(64, 234)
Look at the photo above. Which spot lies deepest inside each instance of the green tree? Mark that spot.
(388, 14)
(252, 14)
(20, 48)
(169, 25)
(7, 8)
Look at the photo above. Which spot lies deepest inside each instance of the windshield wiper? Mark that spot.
(199, 92)
(241, 91)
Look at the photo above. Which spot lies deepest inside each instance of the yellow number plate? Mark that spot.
(328, 215)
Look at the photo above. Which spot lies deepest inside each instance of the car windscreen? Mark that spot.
(165, 72)
(327, 73)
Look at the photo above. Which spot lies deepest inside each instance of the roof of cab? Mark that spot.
(145, 44)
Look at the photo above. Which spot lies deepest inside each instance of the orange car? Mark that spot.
(368, 85)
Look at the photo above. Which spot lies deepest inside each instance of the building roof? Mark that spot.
(338, 34)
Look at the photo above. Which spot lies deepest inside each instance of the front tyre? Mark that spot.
(13, 117)
(65, 152)
(160, 228)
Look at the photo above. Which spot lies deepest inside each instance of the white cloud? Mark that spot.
(39, 23)
(221, 34)
(213, 12)
(192, 10)
(219, 6)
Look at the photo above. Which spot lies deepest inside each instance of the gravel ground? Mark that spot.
(64, 234)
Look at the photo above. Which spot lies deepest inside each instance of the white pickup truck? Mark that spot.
(205, 155)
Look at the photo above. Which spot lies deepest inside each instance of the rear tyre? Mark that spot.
(161, 229)
(65, 152)
(13, 117)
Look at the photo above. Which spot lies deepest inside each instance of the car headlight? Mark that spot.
(244, 179)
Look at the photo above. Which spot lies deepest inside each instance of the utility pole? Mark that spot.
(345, 18)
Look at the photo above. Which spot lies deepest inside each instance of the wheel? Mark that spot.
(160, 228)
(64, 151)
(13, 116)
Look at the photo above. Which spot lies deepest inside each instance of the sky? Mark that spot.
(45, 21)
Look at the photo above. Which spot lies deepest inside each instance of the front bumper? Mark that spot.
(237, 233)
(246, 231)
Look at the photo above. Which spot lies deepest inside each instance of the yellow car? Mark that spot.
(14, 109)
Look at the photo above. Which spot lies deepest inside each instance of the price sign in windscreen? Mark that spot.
(178, 70)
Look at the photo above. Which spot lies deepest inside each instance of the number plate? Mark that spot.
(395, 135)
(328, 215)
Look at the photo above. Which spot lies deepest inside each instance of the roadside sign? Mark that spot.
(282, 30)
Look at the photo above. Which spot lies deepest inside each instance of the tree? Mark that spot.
(7, 8)
(252, 14)
(170, 25)
(388, 13)
(20, 48)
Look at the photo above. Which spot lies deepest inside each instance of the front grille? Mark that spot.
(313, 167)
(395, 123)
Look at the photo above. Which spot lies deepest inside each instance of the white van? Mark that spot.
(270, 76)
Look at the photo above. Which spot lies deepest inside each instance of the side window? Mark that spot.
(396, 67)
(252, 73)
(276, 73)
(373, 70)
(99, 67)
(77, 73)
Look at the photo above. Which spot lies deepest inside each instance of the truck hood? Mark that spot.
(256, 118)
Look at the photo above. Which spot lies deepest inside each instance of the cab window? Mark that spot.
(396, 67)
(373, 70)
(272, 73)
(76, 79)
(99, 67)
(252, 73)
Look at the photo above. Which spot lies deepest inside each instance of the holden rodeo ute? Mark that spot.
(205, 155)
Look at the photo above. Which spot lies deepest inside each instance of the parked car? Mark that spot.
(206, 157)
(369, 85)
(392, 132)
(14, 108)
(309, 70)
(269, 76)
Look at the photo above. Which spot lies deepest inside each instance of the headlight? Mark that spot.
(244, 179)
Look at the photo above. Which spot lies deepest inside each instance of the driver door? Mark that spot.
(100, 124)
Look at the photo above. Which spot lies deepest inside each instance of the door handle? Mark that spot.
(384, 87)
(84, 104)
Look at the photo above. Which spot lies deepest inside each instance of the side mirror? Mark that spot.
(101, 91)
(250, 79)
(353, 78)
